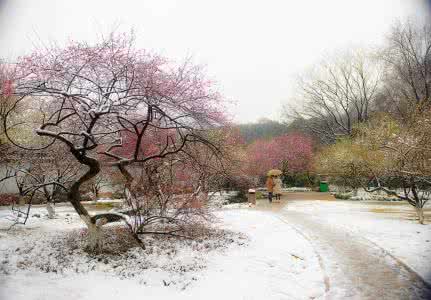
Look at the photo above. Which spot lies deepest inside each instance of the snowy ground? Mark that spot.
(391, 226)
(259, 257)
(305, 250)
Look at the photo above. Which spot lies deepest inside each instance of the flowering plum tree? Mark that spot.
(296, 150)
(90, 97)
(291, 152)
(263, 155)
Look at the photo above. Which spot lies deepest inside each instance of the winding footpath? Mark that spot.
(353, 267)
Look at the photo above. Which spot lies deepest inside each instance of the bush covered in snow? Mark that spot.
(174, 259)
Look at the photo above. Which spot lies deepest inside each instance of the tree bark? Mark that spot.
(74, 197)
(355, 192)
(94, 237)
(51, 210)
(420, 214)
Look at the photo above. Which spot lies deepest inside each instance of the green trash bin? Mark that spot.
(324, 186)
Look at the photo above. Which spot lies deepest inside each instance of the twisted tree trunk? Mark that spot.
(74, 197)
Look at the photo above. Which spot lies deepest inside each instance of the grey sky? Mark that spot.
(252, 48)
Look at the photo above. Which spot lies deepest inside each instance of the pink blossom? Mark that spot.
(293, 150)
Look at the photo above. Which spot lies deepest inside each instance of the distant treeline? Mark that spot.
(267, 129)
(263, 129)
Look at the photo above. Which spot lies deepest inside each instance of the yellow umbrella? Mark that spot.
(274, 172)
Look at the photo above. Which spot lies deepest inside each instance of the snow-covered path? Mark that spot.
(354, 266)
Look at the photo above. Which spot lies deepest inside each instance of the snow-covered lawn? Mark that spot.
(389, 225)
(251, 253)
(253, 256)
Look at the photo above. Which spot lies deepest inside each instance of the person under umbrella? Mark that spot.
(270, 187)
(270, 183)
(277, 187)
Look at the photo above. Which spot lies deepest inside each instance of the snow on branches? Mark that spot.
(111, 102)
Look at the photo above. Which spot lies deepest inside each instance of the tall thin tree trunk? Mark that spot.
(49, 197)
(51, 210)
(420, 214)
(418, 206)
(96, 193)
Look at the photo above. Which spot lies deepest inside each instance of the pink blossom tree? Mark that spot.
(262, 156)
(290, 152)
(295, 150)
(91, 97)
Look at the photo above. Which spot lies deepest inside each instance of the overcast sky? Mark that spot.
(253, 49)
